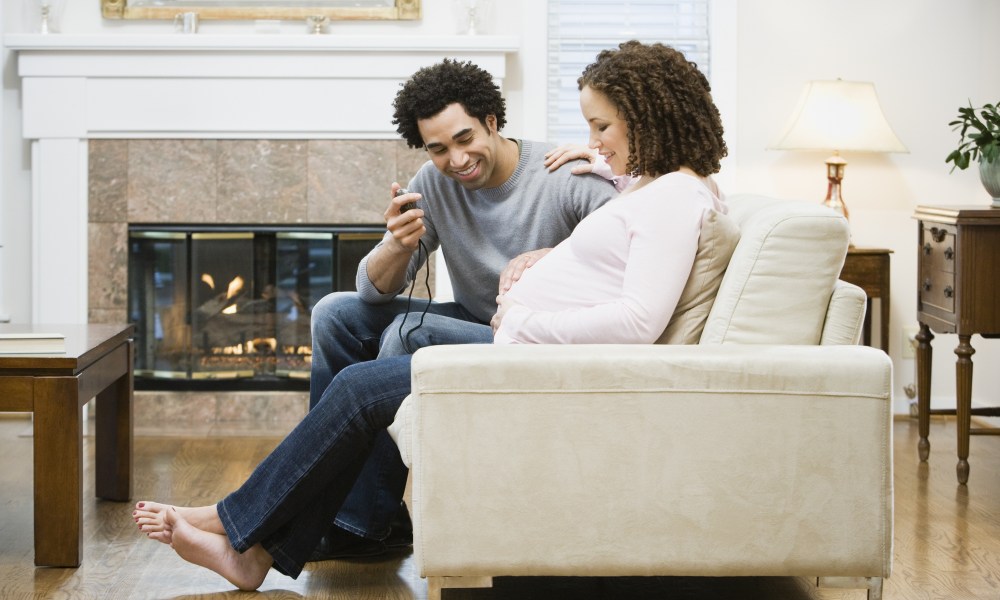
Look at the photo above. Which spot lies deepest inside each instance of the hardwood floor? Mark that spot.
(947, 537)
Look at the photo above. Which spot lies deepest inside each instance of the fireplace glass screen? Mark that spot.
(234, 305)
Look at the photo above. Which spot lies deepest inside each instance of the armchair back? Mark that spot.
(778, 286)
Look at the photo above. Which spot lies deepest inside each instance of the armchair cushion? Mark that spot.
(778, 284)
(719, 235)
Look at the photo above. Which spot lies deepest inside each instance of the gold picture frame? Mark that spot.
(335, 10)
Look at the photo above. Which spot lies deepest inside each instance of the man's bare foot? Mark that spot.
(149, 517)
(213, 551)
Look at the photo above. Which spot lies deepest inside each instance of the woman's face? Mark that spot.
(608, 131)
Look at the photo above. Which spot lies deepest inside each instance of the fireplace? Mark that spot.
(229, 306)
(220, 304)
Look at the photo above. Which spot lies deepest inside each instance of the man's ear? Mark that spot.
(491, 124)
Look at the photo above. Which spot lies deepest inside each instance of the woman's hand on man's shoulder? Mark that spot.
(561, 155)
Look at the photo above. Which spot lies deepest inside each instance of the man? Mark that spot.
(485, 201)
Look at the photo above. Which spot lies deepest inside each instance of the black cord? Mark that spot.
(409, 298)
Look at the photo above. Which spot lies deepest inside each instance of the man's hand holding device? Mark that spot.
(403, 218)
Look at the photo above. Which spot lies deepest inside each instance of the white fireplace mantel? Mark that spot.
(77, 87)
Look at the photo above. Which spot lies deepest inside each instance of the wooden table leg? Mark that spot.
(924, 354)
(866, 327)
(113, 438)
(963, 404)
(883, 303)
(58, 472)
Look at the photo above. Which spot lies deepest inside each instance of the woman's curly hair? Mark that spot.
(667, 105)
(432, 89)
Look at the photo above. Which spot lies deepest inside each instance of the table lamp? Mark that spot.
(838, 116)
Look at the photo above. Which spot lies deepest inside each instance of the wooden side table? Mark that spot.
(957, 290)
(868, 268)
(54, 387)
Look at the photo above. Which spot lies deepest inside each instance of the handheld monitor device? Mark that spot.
(408, 205)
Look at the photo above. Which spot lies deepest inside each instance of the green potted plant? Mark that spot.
(979, 139)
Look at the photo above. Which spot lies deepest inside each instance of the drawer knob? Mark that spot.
(927, 285)
(949, 253)
(949, 292)
(927, 248)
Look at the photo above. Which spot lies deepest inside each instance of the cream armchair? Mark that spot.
(763, 450)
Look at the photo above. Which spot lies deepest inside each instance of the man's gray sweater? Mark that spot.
(480, 231)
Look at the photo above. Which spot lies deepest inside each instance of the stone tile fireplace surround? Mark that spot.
(206, 129)
(275, 182)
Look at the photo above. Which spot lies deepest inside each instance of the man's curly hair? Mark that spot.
(667, 105)
(432, 89)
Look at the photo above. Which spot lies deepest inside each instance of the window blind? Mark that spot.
(579, 29)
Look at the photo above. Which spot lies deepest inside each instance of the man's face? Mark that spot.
(462, 148)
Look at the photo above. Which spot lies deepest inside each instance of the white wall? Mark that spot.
(3, 313)
(14, 208)
(769, 49)
(15, 189)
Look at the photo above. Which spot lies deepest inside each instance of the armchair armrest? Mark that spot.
(592, 368)
(845, 316)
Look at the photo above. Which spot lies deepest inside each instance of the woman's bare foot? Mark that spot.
(213, 551)
(149, 517)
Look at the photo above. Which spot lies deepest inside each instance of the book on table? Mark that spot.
(32, 343)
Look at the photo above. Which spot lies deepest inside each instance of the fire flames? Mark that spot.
(254, 346)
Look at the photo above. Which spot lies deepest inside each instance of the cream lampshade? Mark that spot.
(838, 116)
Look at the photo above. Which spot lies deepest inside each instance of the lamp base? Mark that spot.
(834, 175)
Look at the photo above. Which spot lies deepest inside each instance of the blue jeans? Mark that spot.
(347, 330)
(288, 502)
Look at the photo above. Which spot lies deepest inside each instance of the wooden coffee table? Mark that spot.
(54, 387)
